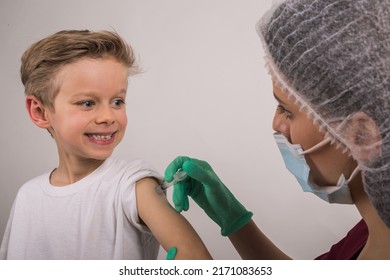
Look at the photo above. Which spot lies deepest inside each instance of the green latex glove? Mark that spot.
(171, 254)
(208, 191)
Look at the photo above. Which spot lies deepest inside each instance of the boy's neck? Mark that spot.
(69, 172)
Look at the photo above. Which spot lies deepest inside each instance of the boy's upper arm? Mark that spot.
(169, 227)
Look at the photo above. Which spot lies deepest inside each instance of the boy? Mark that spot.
(92, 206)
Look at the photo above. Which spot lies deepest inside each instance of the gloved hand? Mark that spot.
(171, 254)
(207, 190)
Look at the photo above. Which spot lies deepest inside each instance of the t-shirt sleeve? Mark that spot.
(7, 233)
(136, 170)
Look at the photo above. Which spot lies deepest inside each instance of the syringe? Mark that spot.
(180, 175)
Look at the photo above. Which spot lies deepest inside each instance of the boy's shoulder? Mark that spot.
(133, 170)
(36, 181)
(137, 169)
(34, 184)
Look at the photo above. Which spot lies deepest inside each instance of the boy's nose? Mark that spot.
(105, 115)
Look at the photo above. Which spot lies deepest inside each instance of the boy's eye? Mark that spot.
(86, 103)
(118, 102)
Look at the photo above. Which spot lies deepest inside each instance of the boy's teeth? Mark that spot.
(100, 137)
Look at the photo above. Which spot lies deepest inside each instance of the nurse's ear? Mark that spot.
(364, 137)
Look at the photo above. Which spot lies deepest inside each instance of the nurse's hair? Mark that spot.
(42, 61)
(332, 57)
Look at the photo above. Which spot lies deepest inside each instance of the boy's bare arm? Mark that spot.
(169, 227)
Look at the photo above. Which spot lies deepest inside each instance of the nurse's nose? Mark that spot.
(279, 125)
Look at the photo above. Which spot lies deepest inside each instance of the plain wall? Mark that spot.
(204, 93)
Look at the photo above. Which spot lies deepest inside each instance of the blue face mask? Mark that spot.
(294, 159)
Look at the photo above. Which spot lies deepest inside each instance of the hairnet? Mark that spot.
(333, 58)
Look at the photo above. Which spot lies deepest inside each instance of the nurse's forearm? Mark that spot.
(252, 244)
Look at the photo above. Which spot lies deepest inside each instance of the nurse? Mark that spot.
(329, 62)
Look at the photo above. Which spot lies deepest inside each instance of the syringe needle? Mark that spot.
(180, 175)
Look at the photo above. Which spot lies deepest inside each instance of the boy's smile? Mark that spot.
(101, 138)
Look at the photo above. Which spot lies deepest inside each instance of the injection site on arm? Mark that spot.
(180, 175)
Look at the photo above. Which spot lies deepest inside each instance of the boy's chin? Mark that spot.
(101, 157)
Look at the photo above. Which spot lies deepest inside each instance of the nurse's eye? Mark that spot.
(282, 111)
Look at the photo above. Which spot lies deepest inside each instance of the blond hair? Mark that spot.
(42, 61)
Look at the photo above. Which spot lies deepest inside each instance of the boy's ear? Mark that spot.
(37, 112)
(364, 137)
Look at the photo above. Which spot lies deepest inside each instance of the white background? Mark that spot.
(204, 93)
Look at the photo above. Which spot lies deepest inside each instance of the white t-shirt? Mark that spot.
(94, 218)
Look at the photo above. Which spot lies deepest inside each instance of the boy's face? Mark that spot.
(89, 118)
